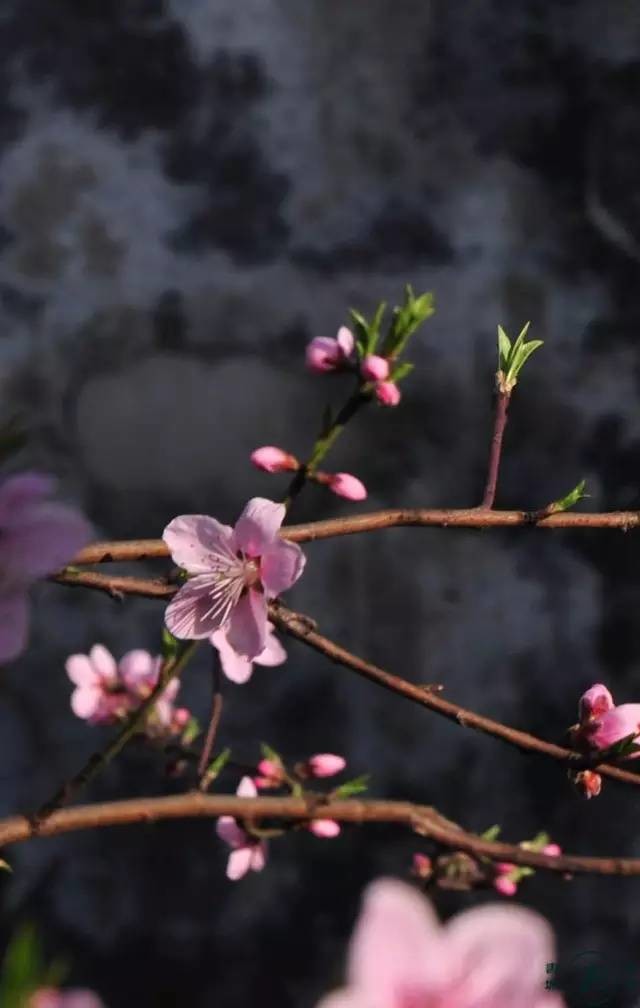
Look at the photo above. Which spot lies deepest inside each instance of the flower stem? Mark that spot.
(325, 442)
(502, 405)
(214, 722)
(98, 761)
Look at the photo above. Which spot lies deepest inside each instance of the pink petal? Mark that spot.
(23, 491)
(344, 999)
(80, 670)
(396, 946)
(324, 829)
(596, 701)
(281, 566)
(246, 788)
(139, 671)
(375, 368)
(323, 354)
(104, 664)
(259, 856)
(274, 653)
(189, 615)
(326, 764)
(345, 340)
(258, 526)
(196, 541)
(14, 617)
(615, 725)
(499, 954)
(247, 631)
(236, 667)
(239, 863)
(229, 831)
(80, 999)
(85, 701)
(348, 486)
(42, 539)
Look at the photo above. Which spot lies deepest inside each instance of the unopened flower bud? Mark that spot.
(346, 485)
(325, 829)
(374, 368)
(421, 866)
(270, 773)
(551, 850)
(387, 393)
(595, 702)
(324, 354)
(325, 765)
(588, 783)
(274, 460)
(505, 885)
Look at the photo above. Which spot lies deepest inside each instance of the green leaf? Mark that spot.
(216, 767)
(22, 968)
(522, 354)
(539, 841)
(625, 747)
(270, 754)
(492, 833)
(519, 343)
(401, 371)
(5, 866)
(170, 645)
(405, 320)
(191, 731)
(570, 499)
(504, 350)
(353, 787)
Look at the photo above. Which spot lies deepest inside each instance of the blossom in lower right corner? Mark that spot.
(602, 724)
(49, 997)
(401, 957)
(247, 852)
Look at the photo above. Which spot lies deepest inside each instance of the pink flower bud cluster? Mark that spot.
(325, 354)
(274, 460)
(508, 875)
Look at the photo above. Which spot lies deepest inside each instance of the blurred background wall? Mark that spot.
(192, 189)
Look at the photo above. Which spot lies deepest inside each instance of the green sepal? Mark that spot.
(353, 787)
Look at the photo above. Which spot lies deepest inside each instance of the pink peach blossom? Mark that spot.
(48, 997)
(346, 485)
(248, 853)
(274, 460)
(37, 537)
(374, 368)
(235, 572)
(107, 691)
(236, 667)
(596, 701)
(387, 393)
(325, 765)
(325, 354)
(324, 829)
(488, 957)
(613, 726)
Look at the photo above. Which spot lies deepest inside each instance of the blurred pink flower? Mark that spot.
(374, 368)
(107, 691)
(325, 765)
(48, 997)
(274, 460)
(421, 865)
(551, 850)
(37, 537)
(387, 393)
(325, 354)
(324, 829)
(236, 667)
(235, 572)
(248, 853)
(488, 957)
(506, 886)
(602, 724)
(346, 485)
(271, 774)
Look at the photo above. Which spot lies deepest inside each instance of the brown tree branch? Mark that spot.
(502, 405)
(422, 819)
(146, 549)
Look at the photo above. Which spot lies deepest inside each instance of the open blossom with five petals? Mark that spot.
(49, 997)
(37, 537)
(107, 691)
(236, 667)
(326, 354)
(234, 573)
(602, 724)
(488, 957)
(248, 853)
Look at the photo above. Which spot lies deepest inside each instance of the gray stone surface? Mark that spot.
(189, 192)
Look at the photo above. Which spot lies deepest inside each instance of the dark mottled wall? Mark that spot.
(189, 191)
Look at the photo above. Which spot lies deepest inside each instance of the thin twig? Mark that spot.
(98, 761)
(502, 405)
(214, 722)
(297, 625)
(373, 521)
(422, 819)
